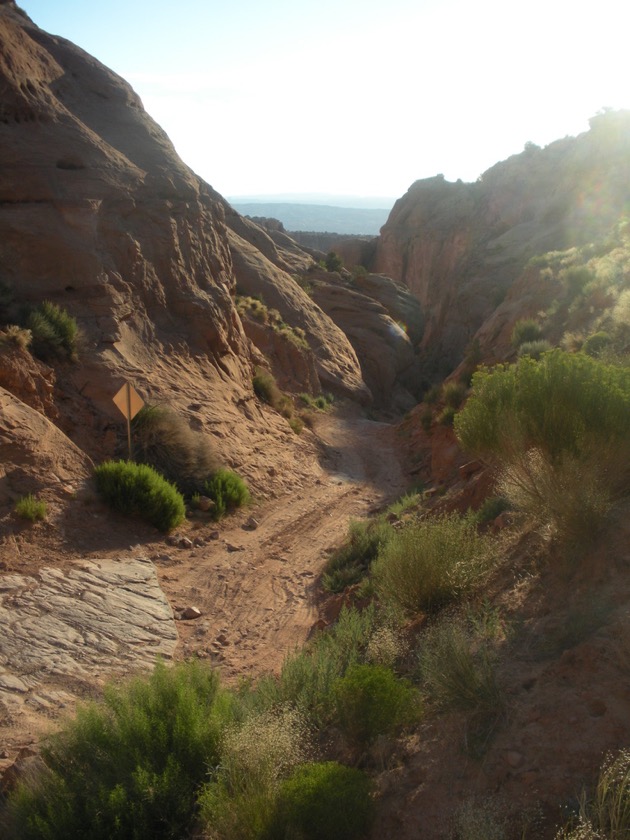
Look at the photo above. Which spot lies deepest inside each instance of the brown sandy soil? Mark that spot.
(255, 583)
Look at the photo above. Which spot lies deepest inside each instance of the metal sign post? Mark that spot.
(129, 403)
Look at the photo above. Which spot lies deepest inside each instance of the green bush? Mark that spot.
(266, 389)
(564, 404)
(535, 349)
(370, 701)
(54, 332)
(596, 343)
(307, 676)
(527, 329)
(28, 507)
(322, 801)
(227, 490)
(349, 563)
(430, 563)
(257, 754)
(130, 767)
(333, 262)
(137, 489)
(454, 394)
(164, 440)
(560, 428)
(490, 509)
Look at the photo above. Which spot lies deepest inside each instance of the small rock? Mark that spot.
(198, 541)
(231, 547)
(205, 503)
(251, 524)
(173, 539)
(190, 613)
(271, 471)
(214, 535)
(223, 640)
(185, 542)
(514, 758)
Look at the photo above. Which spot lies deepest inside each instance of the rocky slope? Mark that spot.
(461, 248)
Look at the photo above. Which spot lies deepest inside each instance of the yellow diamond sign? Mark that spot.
(128, 401)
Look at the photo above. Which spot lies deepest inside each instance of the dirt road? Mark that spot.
(255, 583)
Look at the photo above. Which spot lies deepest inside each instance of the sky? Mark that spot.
(354, 97)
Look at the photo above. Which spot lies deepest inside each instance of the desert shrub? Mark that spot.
(454, 394)
(534, 349)
(164, 440)
(490, 509)
(19, 336)
(569, 499)
(321, 402)
(559, 427)
(227, 490)
(349, 563)
(430, 563)
(432, 395)
(265, 386)
(130, 767)
(333, 262)
(404, 504)
(255, 755)
(307, 676)
(458, 668)
(138, 489)
(596, 343)
(370, 701)
(28, 507)
(607, 815)
(426, 418)
(527, 329)
(447, 416)
(564, 404)
(54, 332)
(321, 801)
(576, 278)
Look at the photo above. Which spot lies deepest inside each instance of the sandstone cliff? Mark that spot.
(99, 215)
(461, 247)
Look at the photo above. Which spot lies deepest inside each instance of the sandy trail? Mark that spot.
(260, 600)
(257, 589)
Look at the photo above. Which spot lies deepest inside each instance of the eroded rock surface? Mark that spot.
(93, 620)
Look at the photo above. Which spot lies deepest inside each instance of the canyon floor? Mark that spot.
(87, 596)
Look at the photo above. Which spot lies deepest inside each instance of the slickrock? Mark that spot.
(101, 616)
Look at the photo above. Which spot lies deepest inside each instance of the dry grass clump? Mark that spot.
(19, 336)
(607, 815)
(431, 563)
(164, 440)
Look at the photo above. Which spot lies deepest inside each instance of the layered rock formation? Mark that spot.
(100, 216)
(460, 247)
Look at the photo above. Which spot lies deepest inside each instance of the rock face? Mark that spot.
(383, 321)
(460, 247)
(102, 615)
(99, 215)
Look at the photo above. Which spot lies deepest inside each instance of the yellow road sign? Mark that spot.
(128, 401)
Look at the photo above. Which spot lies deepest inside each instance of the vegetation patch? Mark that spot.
(227, 490)
(54, 332)
(31, 508)
(163, 440)
(130, 767)
(431, 563)
(349, 563)
(137, 489)
(325, 800)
